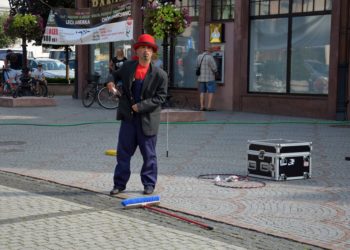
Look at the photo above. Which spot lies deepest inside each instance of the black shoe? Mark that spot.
(115, 191)
(148, 190)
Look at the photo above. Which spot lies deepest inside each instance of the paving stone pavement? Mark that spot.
(39, 214)
(31, 220)
(66, 144)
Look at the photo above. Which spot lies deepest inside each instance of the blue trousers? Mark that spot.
(131, 136)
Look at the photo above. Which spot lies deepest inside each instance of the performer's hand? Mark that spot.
(134, 108)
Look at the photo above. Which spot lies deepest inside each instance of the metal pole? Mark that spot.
(24, 57)
(165, 45)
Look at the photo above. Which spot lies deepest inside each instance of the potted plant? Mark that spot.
(19, 26)
(165, 19)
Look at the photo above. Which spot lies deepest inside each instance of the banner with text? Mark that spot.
(89, 25)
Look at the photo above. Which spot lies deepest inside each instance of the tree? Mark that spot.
(5, 41)
(39, 8)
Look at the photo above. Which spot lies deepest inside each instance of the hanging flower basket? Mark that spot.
(165, 19)
(30, 26)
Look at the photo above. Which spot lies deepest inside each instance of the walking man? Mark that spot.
(143, 91)
(206, 79)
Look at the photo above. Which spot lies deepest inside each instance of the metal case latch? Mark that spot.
(261, 154)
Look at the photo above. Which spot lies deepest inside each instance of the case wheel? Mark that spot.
(306, 175)
(282, 177)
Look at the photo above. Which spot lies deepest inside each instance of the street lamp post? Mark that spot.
(168, 68)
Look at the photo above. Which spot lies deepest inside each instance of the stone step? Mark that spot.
(26, 101)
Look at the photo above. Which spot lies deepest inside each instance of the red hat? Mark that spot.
(147, 40)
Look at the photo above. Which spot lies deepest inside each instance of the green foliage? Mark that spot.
(5, 41)
(42, 9)
(28, 25)
(165, 19)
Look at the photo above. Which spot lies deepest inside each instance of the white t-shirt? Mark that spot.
(38, 74)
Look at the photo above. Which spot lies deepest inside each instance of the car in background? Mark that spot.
(61, 54)
(18, 51)
(52, 68)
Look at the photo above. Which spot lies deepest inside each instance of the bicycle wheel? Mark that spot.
(178, 101)
(2, 89)
(42, 91)
(88, 96)
(107, 99)
(18, 92)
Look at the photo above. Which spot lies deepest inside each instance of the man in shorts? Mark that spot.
(206, 79)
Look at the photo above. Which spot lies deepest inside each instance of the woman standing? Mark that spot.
(115, 64)
(118, 60)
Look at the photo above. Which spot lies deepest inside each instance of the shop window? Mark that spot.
(311, 5)
(269, 7)
(310, 54)
(277, 7)
(125, 46)
(222, 9)
(185, 57)
(99, 60)
(268, 55)
(191, 5)
(185, 49)
(289, 52)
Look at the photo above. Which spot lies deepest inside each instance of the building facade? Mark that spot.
(286, 57)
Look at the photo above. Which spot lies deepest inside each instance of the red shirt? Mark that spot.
(141, 72)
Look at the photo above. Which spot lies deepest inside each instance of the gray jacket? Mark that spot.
(208, 67)
(154, 93)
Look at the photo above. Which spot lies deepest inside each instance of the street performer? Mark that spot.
(144, 89)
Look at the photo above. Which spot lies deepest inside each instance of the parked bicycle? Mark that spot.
(42, 89)
(7, 83)
(7, 89)
(25, 86)
(180, 102)
(96, 91)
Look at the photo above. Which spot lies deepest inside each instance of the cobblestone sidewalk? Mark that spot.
(37, 214)
(66, 144)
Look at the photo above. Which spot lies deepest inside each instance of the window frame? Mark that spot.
(194, 7)
(172, 52)
(290, 8)
(221, 5)
(290, 15)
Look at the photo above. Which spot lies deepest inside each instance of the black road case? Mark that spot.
(279, 159)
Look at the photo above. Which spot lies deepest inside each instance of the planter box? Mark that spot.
(27, 101)
(60, 89)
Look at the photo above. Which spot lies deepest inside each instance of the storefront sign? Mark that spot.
(89, 25)
(100, 3)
